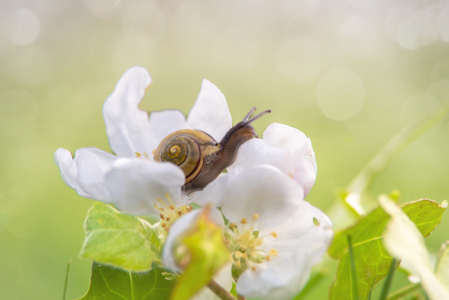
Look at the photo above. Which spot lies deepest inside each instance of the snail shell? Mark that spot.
(188, 149)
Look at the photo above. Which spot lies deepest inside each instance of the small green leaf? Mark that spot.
(207, 253)
(120, 240)
(115, 284)
(372, 260)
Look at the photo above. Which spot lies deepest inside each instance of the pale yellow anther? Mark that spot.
(155, 205)
(255, 217)
(231, 225)
(268, 258)
(274, 234)
(243, 221)
(146, 155)
(238, 254)
(273, 252)
(171, 207)
(154, 151)
(138, 154)
(258, 242)
(253, 268)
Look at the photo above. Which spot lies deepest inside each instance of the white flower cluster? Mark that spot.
(274, 236)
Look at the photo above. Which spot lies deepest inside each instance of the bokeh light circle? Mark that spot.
(340, 94)
(21, 26)
(18, 111)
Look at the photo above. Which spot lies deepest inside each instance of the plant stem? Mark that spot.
(404, 291)
(219, 291)
(355, 290)
(388, 281)
(66, 279)
(240, 297)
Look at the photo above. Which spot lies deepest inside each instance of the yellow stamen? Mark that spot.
(273, 252)
(268, 258)
(167, 218)
(258, 242)
(138, 154)
(171, 207)
(162, 216)
(238, 254)
(253, 268)
(164, 224)
(255, 217)
(274, 234)
(243, 221)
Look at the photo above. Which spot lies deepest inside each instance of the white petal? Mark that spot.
(68, 170)
(281, 278)
(180, 227)
(165, 122)
(302, 164)
(127, 126)
(213, 192)
(258, 152)
(434, 288)
(263, 190)
(210, 112)
(223, 278)
(93, 164)
(402, 239)
(299, 234)
(442, 269)
(135, 185)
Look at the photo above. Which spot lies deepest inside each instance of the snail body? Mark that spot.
(200, 156)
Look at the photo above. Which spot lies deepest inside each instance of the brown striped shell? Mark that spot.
(187, 149)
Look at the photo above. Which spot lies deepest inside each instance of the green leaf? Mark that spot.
(120, 240)
(372, 260)
(206, 253)
(109, 283)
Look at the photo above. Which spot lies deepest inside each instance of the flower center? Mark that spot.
(169, 213)
(245, 245)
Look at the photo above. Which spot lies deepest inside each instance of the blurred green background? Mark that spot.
(349, 74)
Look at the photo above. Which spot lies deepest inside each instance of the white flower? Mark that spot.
(275, 236)
(132, 180)
(404, 241)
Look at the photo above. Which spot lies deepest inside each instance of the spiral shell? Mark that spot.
(187, 149)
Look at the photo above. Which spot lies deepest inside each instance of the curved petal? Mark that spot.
(402, 239)
(213, 192)
(282, 278)
(69, 170)
(210, 112)
(127, 126)
(164, 122)
(180, 227)
(258, 152)
(308, 232)
(434, 288)
(135, 185)
(302, 164)
(263, 190)
(93, 164)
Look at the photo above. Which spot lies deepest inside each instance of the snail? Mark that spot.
(200, 156)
